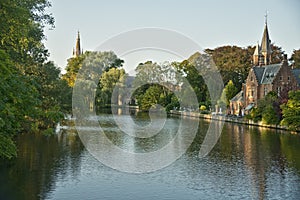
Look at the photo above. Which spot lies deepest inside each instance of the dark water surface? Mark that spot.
(246, 163)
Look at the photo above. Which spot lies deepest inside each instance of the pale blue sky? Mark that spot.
(209, 23)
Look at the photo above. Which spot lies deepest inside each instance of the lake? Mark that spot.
(246, 163)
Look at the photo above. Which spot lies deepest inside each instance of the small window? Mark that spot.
(280, 78)
(251, 78)
(289, 78)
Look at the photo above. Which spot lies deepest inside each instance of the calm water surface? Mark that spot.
(246, 163)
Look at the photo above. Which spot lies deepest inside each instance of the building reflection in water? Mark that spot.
(246, 162)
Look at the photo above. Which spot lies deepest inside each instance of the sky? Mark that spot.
(210, 24)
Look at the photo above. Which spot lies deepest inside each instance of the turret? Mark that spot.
(263, 52)
(256, 55)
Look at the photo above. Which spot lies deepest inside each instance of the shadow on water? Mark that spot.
(41, 161)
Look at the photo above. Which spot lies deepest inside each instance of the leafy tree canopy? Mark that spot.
(295, 59)
(95, 63)
(21, 25)
(228, 93)
(291, 111)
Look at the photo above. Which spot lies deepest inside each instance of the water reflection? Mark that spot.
(247, 162)
(42, 161)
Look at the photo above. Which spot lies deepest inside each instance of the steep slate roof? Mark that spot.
(296, 73)
(266, 74)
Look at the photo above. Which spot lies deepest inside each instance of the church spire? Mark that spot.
(266, 44)
(78, 50)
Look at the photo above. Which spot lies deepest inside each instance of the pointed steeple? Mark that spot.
(266, 45)
(266, 42)
(77, 50)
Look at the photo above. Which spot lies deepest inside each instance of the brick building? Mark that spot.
(264, 77)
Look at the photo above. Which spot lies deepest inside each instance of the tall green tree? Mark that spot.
(111, 82)
(30, 88)
(152, 96)
(291, 111)
(153, 84)
(21, 25)
(73, 66)
(55, 95)
(229, 92)
(194, 79)
(19, 104)
(233, 62)
(94, 63)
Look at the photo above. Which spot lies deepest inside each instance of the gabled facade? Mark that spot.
(264, 77)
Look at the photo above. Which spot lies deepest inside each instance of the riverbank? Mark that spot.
(239, 120)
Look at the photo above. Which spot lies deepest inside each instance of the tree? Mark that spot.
(291, 111)
(194, 78)
(55, 95)
(152, 96)
(228, 93)
(73, 66)
(277, 54)
(32, 95)
(233, 62)
(21, 25)
(267, 110)
(113, 79)
(295, 59)
(94, 63)
(156, 77)
(102, 66)
(18, 105)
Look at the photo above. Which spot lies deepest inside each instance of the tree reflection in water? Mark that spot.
(247, 162)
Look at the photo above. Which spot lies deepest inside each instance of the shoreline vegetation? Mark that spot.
(231, 119)
(208, 116)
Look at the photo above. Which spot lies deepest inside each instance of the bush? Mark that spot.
(202, 108)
